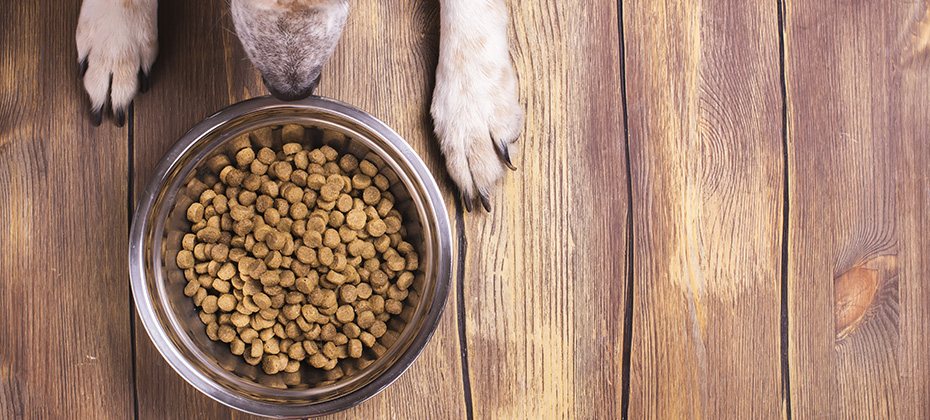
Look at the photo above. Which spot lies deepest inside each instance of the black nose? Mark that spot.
(293, 95)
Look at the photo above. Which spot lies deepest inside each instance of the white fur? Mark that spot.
(475, 101)
(118, 38)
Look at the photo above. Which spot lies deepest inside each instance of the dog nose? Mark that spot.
(293, 95)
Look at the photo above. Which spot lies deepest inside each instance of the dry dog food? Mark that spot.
(297, 257)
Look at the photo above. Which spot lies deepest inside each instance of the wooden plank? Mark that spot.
(385, 65)
(202, 68)
(65, 350)
(704, 109)
(857, 85)
(545, 274)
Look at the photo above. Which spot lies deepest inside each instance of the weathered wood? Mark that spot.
(545, 274)
(857, 85)
(65, 348)
(705, 133)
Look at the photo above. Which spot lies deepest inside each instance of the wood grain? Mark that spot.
(705, 137)
(65, 348)
(857, 135)
(545, 273)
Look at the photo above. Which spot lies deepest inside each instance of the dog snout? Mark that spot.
(292, 93)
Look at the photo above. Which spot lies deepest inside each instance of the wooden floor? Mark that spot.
(722, 211)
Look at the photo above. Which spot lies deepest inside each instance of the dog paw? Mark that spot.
(117, 41)
(476, 111)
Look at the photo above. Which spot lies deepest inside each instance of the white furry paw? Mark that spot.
(117, 41)
(476, 111)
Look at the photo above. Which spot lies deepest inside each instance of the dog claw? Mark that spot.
(82, 68)
(485, 201)
(143, 81)
(120, 118)
(504, 154)
(468, 204)
(96, 117)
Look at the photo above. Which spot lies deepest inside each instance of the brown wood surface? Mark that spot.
(65, 347)
(857, 84)
(597, 288)
(545, 273)
(705, 141)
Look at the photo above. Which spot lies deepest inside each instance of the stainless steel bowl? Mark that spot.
(170, 317)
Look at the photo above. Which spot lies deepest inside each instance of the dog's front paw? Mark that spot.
(476, 112)
(117, 41)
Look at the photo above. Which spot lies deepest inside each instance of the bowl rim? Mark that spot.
(144, 304)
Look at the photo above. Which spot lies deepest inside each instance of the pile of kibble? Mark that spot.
(298, 256)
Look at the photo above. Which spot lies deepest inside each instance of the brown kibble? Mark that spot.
(404, 280)
(227, 302)
(371, 195)
(266, 155)
(226, 333)
(209, 304)
(368, 168)
(269, 188)
(375, 227)
(275, 240)
(185, 259)
(393, 307)
(355, 348)
(330, 191)
(392, 224)
(365, 319)
(378, 329)
(282, 170)
(195, 212)
(325, 255)
(367, 339)
(262, 300)
(245, 157)
(292, 194)
(346, 313)
(328, 333)
(381, 182)
(331, 238)
(356, 219)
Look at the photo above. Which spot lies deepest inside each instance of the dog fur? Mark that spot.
(475, 108)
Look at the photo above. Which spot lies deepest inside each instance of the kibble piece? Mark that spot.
(356, 219)
(381, 182)
(371, 195)
(375, 227)
(393, 307)
(346, 313)
(266, 155)
(209, 304)
(365, 319)
(195, 212)
(368, 168)
(355, 348)
(331, 238)
(378, 329)
(330, 191)
(185, 259)
(367, 339)
(227, 302)
(245, 157)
